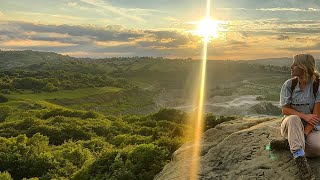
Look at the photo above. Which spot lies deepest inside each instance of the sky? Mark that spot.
(251, 29)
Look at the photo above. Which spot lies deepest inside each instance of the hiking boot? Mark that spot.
(281, 144)
(304, 169)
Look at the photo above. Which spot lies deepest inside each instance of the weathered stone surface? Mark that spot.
(265, 108)
(236, 150)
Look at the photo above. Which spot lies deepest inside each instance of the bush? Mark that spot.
(212, 121)
(69, 113)
(4, 112)
(146, 160)
(5, 91)
(49, 87)
(173, 115)
(26, 157)
(3, 99)
(5, 176)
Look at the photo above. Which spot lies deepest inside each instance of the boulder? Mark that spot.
(266, 108)
(237, 150)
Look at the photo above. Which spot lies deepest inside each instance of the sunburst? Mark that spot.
(208, 29)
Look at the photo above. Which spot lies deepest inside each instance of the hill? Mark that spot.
(284, 61)
(160, 82)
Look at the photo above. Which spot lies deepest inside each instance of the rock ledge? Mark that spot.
(236, 150)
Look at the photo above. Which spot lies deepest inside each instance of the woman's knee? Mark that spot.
(294, 119)
(313, 143)
(313, 151)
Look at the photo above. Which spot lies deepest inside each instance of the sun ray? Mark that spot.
(200, 103)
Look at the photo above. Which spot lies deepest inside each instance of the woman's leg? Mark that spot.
(313, 144)
(293, 130)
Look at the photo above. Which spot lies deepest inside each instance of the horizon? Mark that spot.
(122, 28)
(26, 50)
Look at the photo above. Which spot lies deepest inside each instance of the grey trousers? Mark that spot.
(293, 130)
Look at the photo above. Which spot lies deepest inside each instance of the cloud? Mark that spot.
(260, 38)
(107, 36)
(271, 27)
(315, 46)
(107, 40)
(54, 18)
(111, 33)
(103, 7)
(315, 30)
(27, 43)
(282, 37)
(249, 4)
(72, 4)
(290, 9)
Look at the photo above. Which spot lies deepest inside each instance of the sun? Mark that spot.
(208, 29)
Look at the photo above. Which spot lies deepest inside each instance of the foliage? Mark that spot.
(3, 98)
(5, 175)
(61, 143)
(172, 114)
(4, 112)
(212, 121)
(26, 157)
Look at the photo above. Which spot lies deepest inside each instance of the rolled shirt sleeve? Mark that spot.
(317, 98)
(285, 94)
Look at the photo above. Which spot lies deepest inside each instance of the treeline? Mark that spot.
(50, 81)
(62, 143)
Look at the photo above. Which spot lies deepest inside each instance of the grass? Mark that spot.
(122, 102)
(63, 94)
(270, 80)
(271, 93)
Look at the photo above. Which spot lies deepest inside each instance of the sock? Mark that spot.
(298, 153)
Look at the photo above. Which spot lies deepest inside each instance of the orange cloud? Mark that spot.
(24, 43)
(95, 55)
(112, 43)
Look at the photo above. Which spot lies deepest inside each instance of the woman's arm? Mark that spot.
(287, 110)
(316, 111)
(311, 119)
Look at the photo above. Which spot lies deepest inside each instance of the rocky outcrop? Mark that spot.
(236, 150)
(266, 108)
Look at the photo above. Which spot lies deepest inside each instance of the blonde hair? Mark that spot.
(307, 63)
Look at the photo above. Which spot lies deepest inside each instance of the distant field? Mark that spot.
(133, 101)
(63, 94)
(270, 93)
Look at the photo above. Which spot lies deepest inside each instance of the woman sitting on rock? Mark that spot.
(300, 101)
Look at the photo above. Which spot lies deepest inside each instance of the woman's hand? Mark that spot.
(312, 119)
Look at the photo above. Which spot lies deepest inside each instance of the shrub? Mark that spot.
(5, 91)
(3, 99)
(173, 115)
(146, 160)
(26, 157)
(69, 113)
(5, 176)
(4, 112)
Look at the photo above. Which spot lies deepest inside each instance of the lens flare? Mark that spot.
(206, 34)
(199, 117)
